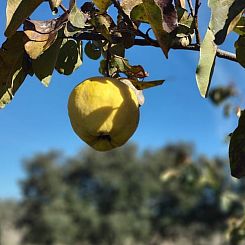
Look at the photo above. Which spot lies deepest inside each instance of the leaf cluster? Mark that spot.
(56, 44)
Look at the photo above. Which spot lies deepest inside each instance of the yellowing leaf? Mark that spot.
(16, 13)
(206, 63)
(40, 35)
(240, 50)
(162, 17)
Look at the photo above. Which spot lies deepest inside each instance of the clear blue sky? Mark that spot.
(37, 120)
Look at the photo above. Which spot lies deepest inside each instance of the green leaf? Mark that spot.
(70, 56)
(16, 13)
(162, 17)
(237, 149)
(12, 67)
(184, 18)
(240, 26)
(240, 50)
(223, 17)
(103, 23)
(44, 65)
(92, 51)
(117, 49)
(138, 13)
(103, 5)
(206, 63)
(76, 17)
(128, 5)
(148, 84)
(119, 64)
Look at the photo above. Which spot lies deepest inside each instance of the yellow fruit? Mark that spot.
(104, 112)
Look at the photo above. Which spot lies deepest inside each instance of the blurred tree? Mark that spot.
(125, 196)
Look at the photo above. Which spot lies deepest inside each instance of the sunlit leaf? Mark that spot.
(128, 5)
(16, 13)
(76, 17)
(162, 17)
(44, 65)
(237, 149)
(40, 35)
(102, 4)
(12, 67)
(206, 63)
(138, 13)
(240, 50)
(184, 18)
(70, 56)
(223, 14)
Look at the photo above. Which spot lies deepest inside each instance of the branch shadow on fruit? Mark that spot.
(128, 106)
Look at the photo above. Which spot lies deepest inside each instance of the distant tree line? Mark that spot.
(127, 196)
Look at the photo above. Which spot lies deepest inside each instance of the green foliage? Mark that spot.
(70, 56)
(14, 67)
(237, 149)
(125, 197)
(224, 17)
(240, 50)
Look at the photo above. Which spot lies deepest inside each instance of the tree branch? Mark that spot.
(131, 23)
(142, 42)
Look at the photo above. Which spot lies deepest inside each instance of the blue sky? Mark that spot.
(37, 121)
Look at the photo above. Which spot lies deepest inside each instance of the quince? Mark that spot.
(104, 112)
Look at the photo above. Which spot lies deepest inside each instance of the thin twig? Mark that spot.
(63, 8)
(198, 36)
(131, 23)
(108, 57)
(142, 42)
(191, 7)
(194, 14)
